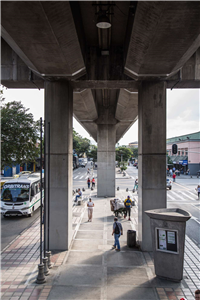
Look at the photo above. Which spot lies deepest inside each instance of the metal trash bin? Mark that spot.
(168, 241)
(131, 238)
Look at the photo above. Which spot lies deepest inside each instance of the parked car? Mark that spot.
(168, 184)
(22, 173)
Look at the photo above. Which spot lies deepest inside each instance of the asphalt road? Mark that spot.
(11, 227)
(182, 195)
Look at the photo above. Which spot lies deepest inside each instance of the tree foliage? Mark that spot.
(135, 152)
(19, 135)
(169, 160)
(123, 152)
(80, 145)
(93, 154)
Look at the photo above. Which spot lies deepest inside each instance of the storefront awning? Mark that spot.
(180, 160)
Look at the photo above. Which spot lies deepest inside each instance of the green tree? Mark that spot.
(169, 160)
(122, 156)
(123, 152)
(135, 152)
(93, 154)
(80, 145)
(19, 135)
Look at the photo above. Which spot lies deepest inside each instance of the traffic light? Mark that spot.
(174, 149)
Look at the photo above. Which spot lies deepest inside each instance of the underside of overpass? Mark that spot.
(107, 78)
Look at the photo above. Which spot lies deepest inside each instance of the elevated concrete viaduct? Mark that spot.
(106, 78)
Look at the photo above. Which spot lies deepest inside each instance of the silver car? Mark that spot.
(168, 184)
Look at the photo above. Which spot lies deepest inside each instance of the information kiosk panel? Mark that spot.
(167, 240)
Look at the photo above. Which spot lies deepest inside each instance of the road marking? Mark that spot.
(170, 196)
(195, 219)
(195, 206)
(187, 196)
(181, 186)
(177, 195)
(75, 177)
(81, 177)
(191, 193)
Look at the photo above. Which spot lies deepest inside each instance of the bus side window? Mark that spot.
(33, 190)
(37, 185)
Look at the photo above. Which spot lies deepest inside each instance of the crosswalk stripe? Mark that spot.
(168, 195)
(81, 177)
(192, 193)
(187, 196)
(75, 177)
(177, 195)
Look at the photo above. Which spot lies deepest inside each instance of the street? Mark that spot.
(182, 195)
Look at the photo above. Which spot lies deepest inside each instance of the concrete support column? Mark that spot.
(106, 139)
(152, 155)
(59, 112)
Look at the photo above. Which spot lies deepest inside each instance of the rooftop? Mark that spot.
(187, 137)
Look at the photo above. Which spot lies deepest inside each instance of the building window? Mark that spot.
(186, 153)
(182, 152)
(179, 152)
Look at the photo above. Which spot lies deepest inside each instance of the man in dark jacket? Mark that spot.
(117, 231)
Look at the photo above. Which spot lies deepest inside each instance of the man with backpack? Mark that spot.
(117, 231)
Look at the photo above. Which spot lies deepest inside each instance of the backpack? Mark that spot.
(116, 229)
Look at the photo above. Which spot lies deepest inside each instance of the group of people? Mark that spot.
(89, 182)
(172, 173)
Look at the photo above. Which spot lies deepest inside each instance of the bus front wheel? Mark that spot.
(31, 214)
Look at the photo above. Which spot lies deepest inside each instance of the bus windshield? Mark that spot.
(14, 192)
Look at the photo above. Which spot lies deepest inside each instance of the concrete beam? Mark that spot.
(44, 36)
(158, 28)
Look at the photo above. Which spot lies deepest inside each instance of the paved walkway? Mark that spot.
(90, 269)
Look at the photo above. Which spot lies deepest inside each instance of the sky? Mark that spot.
(183, 111)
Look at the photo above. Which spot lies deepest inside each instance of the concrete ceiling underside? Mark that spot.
(53, 40)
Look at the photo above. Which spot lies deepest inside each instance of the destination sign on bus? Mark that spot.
(16, 186)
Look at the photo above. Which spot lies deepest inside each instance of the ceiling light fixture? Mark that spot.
(103, 21)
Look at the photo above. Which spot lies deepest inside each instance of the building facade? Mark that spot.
(188, 156)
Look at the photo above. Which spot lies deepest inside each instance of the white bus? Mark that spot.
(21, 196)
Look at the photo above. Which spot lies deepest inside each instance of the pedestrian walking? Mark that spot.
(128, 205)
(88, 171)
(88, 182)
(198, 190)
(117, 232)
(174, 177)
(173, 169)
(90, 206)
(93, 182)
(136, 184)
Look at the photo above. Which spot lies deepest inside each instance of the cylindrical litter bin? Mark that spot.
(131, 238)
(168, 239)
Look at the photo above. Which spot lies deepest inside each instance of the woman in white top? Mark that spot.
(90, 206)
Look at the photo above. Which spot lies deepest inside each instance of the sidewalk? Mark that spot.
(90, 269)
